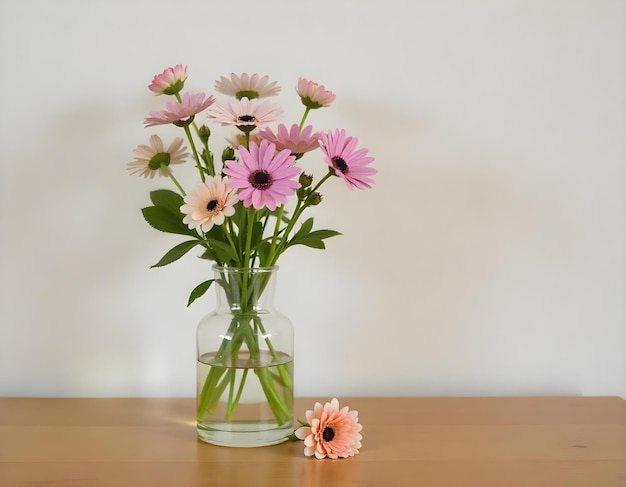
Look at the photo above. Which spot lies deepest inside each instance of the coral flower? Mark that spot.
(298, 142)
(331, 432)
(170, 81)
(314, 95)
(247, 86)
(265, 177)
(347, 162)
(209, 204)
(148, 159)
(246, 114)
(180, 113)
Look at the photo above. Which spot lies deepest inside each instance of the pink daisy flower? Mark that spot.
(246, 86)
(348, 163)
(314, 95)
(246, 114)
(170, 81)
(298, 142)
(209, 204)
(148, 158)
(264, 177)
(180, 113)
(331, 432)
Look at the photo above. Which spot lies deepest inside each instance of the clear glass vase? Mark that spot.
(245, 363)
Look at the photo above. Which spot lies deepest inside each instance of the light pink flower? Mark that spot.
(347, 162)
(332, 432)
(209, 204)
(239, 138)
(314, 95)
(180, 113)
(298, 142)
(265, 177)
(247, 86)
(148, 159)
(246, 114)
(170, 81)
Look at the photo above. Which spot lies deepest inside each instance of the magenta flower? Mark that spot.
(298, 142)
(170, 81)
(314, 95)
(246, 114)
(265, 177)
(331, 432)
(247, 86)
(180, 113)
(347, 162)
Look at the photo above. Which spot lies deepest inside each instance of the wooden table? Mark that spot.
(499, 442)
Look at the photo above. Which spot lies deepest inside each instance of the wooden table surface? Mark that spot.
(499, 442)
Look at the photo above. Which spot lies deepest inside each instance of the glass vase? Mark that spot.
(244, 362)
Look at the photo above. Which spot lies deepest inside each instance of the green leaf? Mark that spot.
(209, 254)
(168, 199)
(176, 253)
(304, 229)
(164, 220)
(313, 239)
(223, 251)
(199, 291)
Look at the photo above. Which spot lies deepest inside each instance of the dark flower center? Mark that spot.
(260, 179)
(211, 205)
(328, 434)
(246, 118)
(340, 164)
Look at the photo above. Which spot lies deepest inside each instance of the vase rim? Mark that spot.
(227, 268)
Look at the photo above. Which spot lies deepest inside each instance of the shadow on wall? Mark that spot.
(449, 229)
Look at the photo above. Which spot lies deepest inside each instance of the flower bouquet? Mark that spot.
(246, 209)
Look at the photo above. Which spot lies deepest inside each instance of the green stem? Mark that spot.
(195, 152)
(306, 114)
(167, 171)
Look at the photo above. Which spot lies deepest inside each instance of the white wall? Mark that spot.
(490, 259)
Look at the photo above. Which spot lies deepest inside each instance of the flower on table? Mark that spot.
(170, 81)
(314, 95)
(297, 141)
(265, 177)
(150, 159)
(246, 114)
(246, 86)
(331, 432)
(347, 162)
(209, 204)
(180, 113)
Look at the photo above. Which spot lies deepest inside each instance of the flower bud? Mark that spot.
(315, 198)
(204, 133)
(305, 180)
(228, 154)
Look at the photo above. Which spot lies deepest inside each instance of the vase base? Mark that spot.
(241, 435)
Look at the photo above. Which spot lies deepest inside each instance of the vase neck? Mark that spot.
(245, 289)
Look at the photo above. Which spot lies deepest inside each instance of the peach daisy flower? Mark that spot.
(149, 158)
(314, 95)
(170, 81)
(180, 113)
(331, 432)
(296, 140)
(246, 86)
(209, 204)
(246, 114)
